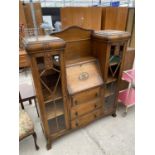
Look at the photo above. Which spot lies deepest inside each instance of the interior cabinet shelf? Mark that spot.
(108, 93)
(113, 63)
(54, 110)
(111, 79)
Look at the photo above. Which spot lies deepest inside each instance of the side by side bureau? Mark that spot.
(76, 74)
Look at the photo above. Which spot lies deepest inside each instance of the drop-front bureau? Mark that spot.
(76, 75)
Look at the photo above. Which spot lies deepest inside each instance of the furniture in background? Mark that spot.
(128, 64)
(114, 18)
(130, 26)
(85, 17)
(127, 96)
(76, 74)
(27, 93)
(29, 16)
(101, 18)
(26, 127)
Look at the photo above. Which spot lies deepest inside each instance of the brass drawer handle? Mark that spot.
(96, 95)
(95, 105)
(76, 102)
(76, 113)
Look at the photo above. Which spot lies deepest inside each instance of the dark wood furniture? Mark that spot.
(27, 93)
(76, 74)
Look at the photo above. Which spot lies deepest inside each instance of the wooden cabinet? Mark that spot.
(86, 17)
(76, 74)
(114, 18)
(48, 69)
(110, 46)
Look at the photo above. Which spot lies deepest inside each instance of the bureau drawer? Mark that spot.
(84, 108)
(81, 121)
(86, 96)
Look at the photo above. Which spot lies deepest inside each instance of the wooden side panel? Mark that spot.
(132, 42)
(130, 27)
(114, 18)
(22, 19)
(98, 52)
(85, 17)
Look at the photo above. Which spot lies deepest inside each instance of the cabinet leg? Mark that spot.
(114, 114)
(49, 144)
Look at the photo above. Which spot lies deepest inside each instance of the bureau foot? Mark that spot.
(114, 115)
(49, 144)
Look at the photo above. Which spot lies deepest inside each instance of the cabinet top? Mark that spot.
(109, 35)
(40, 43)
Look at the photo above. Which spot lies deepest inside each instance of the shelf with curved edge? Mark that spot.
(108, 93)
(111, 79)
(54, 110)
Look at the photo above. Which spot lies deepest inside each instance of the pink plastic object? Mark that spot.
(129, 75)
(127, 96)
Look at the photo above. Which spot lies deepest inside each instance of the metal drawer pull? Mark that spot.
(75, 101)
(96, 95)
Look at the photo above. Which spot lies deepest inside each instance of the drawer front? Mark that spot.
(86, 96)
(86, 118)
(89, 106)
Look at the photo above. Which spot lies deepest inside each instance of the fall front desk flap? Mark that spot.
(83, 75)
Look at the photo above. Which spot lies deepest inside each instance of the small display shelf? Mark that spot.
(108, 93)
(54, 109)
(111, 79)
(114, 60)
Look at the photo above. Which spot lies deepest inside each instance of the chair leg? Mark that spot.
(36, 106)
(30, 102)
(21, 102)
(35, 140)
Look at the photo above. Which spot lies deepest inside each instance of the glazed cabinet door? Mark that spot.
(51, 77)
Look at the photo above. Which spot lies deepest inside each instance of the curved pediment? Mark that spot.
(74, 33)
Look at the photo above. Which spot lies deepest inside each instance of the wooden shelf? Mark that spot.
(54, 110)
(49, 98)
(108, 93)
(113, 63)
(111, 79)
